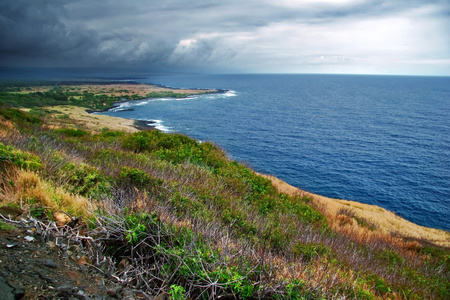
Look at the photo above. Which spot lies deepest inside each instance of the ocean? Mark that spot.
(382, 140)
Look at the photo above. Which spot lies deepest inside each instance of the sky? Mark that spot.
(393, 37)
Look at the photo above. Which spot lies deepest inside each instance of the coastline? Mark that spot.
(95, 122)
(382, 220)
(385, 222)
(89, 118)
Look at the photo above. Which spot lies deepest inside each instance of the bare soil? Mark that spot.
(36, 267)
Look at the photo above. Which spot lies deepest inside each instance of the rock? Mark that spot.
(82, 295)
(50, 263)
(45, 277)
(61, 218)
(19, 293)
(29, 238)
(5, 290)
(66, 290)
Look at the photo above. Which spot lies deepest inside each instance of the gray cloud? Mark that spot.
(347, 36)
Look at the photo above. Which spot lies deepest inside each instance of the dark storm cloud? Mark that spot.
(240, 35)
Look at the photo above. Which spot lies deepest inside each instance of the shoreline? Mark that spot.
(385, 221)
(144, 125)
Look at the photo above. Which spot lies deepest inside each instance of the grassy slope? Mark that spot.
(204, 225)
(365, 215)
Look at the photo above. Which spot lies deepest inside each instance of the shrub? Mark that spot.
(177, 292)
(142, 140)
(380, 285)
(70, 132)
(136, 228)
(309, 251)
(19, 158)
(106, 133)
(19, 117)
(138, 178)
(390, 256)
(84, 180)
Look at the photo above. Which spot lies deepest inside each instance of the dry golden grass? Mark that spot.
(6, 127)
(29, 189)
(388, 224)
(114, 89)
(92, 122)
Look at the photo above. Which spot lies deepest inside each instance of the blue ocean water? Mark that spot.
(381, 140)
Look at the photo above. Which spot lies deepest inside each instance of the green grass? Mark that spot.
(7, 226)
(16, 94)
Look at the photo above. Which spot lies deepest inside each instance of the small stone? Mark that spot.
(61, 218)
(82, 295)
(45, 277)
(66, 288)
(10, 245)
(29, 238)
(50, 263)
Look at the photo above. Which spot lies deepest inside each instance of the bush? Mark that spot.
(19, 158)
(177, 292)
(20, 117)
(106, 133)
(138, 178)
(309, 251)
(136, 227)
(141, 141)
(380, 285)
(84, 180)
(70, 132)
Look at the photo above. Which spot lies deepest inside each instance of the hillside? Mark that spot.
(169, 216)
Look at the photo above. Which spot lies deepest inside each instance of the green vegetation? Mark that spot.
(195, 224)
(25, 160)
(164, 94)
(6, 226)
(20, 94)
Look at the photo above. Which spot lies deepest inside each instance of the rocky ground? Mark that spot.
(34, 266)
